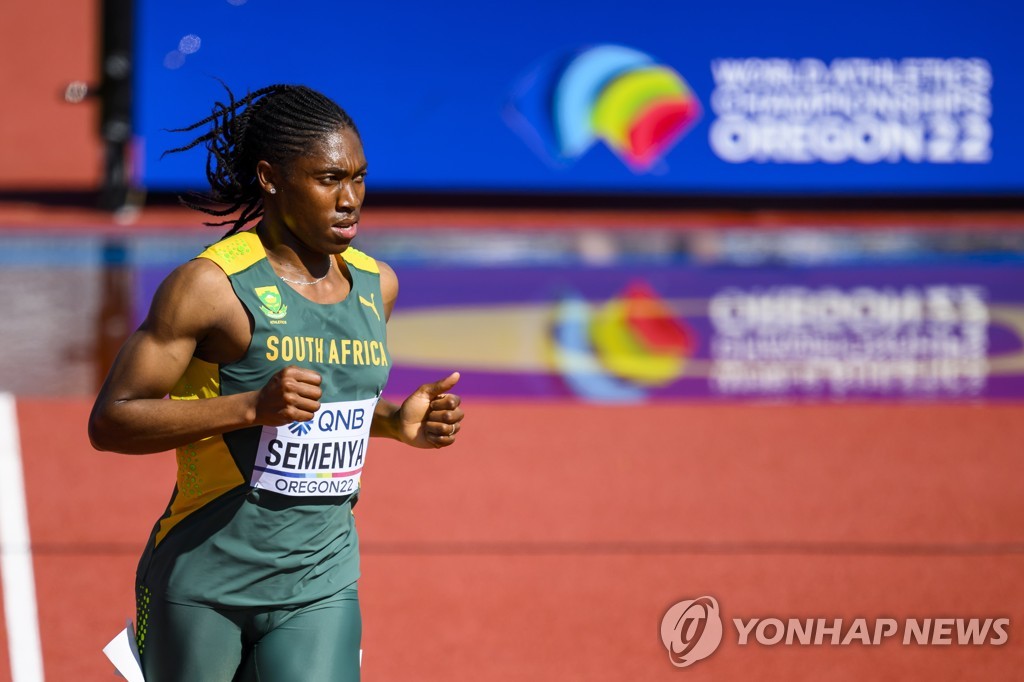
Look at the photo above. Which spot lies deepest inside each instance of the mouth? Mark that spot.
(345, 229)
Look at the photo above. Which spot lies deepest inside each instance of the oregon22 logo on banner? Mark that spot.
(639, 108)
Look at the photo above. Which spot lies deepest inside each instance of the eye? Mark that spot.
(361, 177)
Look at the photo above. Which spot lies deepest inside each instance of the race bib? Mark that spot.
(323, 456)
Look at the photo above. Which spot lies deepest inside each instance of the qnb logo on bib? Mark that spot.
(324, 456)
(300, 428)
(691, 630)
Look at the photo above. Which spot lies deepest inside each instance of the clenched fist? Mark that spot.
(293, 394)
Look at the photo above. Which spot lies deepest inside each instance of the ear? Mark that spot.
(266, 175)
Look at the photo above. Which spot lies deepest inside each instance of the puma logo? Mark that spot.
(371, 304)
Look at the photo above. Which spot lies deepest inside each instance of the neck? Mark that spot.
(290, 256)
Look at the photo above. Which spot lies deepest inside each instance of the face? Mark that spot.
(319, 194)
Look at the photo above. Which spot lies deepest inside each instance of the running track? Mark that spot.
(548, 544)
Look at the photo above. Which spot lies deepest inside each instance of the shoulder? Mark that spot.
(197, 276)
(235, 253)
(387, 275)
(388, 278)
(388, 286)
(362, 261)
(194, 297)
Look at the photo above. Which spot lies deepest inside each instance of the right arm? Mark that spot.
(194, 308)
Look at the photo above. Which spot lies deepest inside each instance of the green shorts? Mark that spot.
(310, 643)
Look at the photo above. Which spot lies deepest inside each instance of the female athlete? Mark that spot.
(272, 347)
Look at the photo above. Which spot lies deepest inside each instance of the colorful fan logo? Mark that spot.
(622, 349)
(622, 96)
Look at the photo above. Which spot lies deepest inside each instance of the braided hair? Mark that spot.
(277, 123)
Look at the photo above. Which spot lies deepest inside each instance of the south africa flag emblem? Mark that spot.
(271, 302)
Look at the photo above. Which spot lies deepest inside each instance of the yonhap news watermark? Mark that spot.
(692, 629)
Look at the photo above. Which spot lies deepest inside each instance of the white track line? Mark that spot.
(19, 591)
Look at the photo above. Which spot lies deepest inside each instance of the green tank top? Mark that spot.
(262, 516)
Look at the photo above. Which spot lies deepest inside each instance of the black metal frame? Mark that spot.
(115, 94)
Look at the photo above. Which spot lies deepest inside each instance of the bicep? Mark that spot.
(157, 354)
(148, 366)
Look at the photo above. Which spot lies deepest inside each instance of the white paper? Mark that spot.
(124, 654)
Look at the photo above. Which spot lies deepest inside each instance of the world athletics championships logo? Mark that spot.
(622, 349)
(638, 107)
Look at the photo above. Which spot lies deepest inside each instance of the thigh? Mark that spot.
(317, 643)
(187, 643)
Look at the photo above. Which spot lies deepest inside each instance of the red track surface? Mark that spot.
(549, 543)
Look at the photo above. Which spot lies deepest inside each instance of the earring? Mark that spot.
(272, 190)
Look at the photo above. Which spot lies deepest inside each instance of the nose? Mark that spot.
(349, 196)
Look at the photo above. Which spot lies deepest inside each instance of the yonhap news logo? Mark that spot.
(692, 629)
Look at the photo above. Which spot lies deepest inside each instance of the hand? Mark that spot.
(291, 395)
(430, 417)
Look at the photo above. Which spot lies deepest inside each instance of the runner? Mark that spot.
(272, 346)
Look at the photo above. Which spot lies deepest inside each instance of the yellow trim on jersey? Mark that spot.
(236, 253)
(242, 250)
(200, 380)
(357, 258)
(206, 469)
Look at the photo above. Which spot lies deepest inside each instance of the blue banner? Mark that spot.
(651, 98)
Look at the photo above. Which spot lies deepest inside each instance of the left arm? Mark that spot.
(430, 417)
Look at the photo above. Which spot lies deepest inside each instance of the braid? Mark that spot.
(277, 124)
